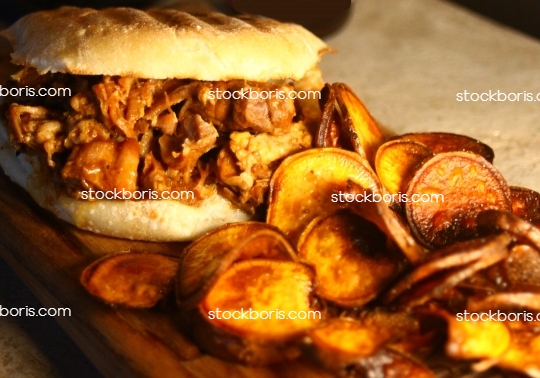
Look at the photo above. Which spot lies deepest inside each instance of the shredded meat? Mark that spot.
(85, 131)
(261, 114)
(214, 109)
(103, 165)
(128, 133)
(182, 152)
(37, 128)
(249, 160)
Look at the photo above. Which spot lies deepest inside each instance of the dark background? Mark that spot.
(523, 15)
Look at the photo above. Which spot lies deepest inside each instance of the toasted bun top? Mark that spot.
(163, 43)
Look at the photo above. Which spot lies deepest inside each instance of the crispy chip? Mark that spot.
(257, 311)
(350, 257)
(307, 185)
(476, 339)
(388, 222)
(397, 161)
(208, 257)
(329, 129)
(131, 279)
(457, 186)
(359, 126)
(450, 257)
(447, 142)
(494, 221)
(526, 204)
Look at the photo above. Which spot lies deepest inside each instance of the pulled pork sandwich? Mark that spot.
(161, 102)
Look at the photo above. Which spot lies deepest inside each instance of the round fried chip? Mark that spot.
(397, 161)
(447, 194)
(350, 257)
(439, 142)
(313, 183)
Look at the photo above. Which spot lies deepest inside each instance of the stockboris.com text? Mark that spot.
(137, 195)
(250, 94)
(35, 92)
(387, 197)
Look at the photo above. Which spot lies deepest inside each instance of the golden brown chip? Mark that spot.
(494, 221)
(526, 204)
(505, 344)
(329, 129)
(351, 347)
(131, 279)
(456, 255)
(312, 183)
(448, 192)
(350, 257)
(388, 222)
(207, 258)
(441, 285)
(512, 300)
(468, 339)
(358, 125)
(522, 355)
(257, 311)
(279, 292)
(397, 161)
(348, 339)
(202, 257)
(522, 268)
(447, 142)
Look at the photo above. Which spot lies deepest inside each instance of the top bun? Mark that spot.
(163, 43)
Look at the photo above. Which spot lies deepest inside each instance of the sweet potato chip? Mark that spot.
(513, 300)
(469, 339)
(505, 344)
(202, 257)
(447, 142)
(522, 268)
(397, 161)
(450, 190)
(351, 347)
(131, 279)
(257, 308)
(308, 184)
(358, 125)
(526, 204)
(329, 129)
(347, 339)
(388, 222)
(523, 354)
(493, 221)
(277, 288)
(455, 277)
(456, 255)
(350, 257)
(208, 257)
(394, 364)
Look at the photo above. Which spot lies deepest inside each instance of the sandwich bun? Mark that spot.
(154, 44)
(163, 44)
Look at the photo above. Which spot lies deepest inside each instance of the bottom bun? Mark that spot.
(151, 220)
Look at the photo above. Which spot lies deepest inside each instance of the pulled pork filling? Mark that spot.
(145, 134)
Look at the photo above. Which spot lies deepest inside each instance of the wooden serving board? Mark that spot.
(49, 256)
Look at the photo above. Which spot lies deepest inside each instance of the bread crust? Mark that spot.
(151, 220)
(163, 43)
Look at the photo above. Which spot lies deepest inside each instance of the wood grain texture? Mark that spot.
(49, 256)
